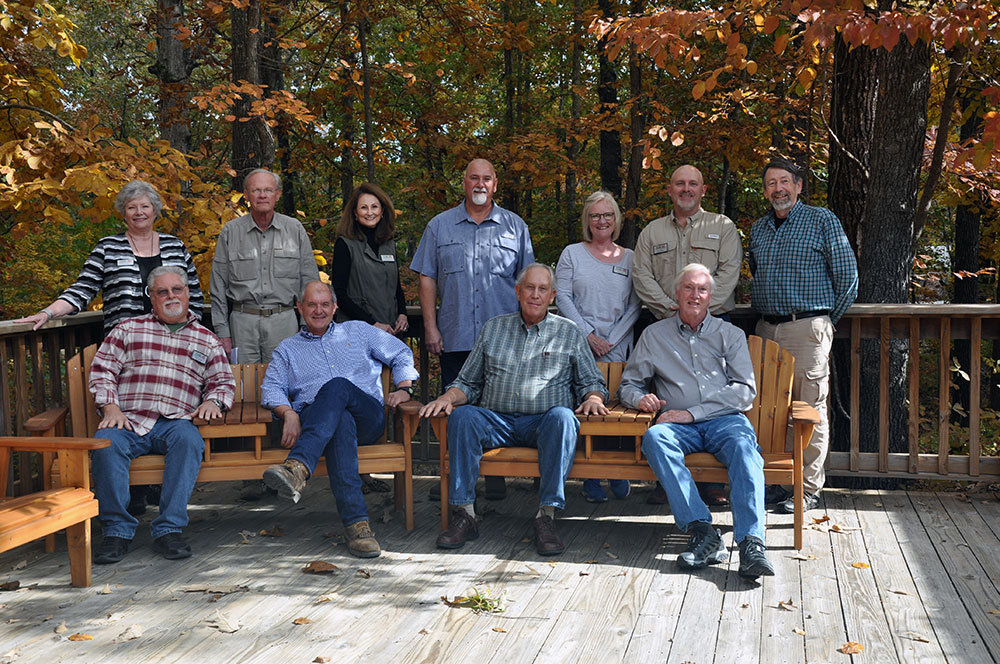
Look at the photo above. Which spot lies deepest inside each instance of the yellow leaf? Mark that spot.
(860, 565)
(799, 631)
(80, 637)
(301, 621)
(500, 629)
(851, 648)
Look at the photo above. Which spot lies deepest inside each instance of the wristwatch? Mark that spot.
(408, 389)
(218, 403)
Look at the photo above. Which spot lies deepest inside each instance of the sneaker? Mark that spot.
(620, 489)
(172, 546)
(775, 493)
(593, 493)
(288, 478)
(704, 547)
(753, 561)
(810, 501)
(361, 540)
(111, 550)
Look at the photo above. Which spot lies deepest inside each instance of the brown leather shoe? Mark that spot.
(288, 478)
(547, 542)
(361, 540)
(658, 497)
(463, 528)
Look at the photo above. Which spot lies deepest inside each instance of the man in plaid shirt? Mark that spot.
(150, 377)
(804, 279)
(525, 374)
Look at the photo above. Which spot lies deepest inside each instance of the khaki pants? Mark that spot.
(256, 337)
(809, 341)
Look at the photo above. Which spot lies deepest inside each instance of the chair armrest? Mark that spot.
(410, 408)
(55, 444)
(803, 412)
(46, 421)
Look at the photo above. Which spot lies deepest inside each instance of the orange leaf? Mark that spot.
(770, 24)
(320, 567)
(851, 648)
(80, 637)
(780, 42)
(860, 565)
(301, 621)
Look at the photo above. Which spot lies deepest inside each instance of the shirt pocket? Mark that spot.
(451, 257)
(664, 267)
(245, 266)
(503, 257)
(705, 250)
(286, 262)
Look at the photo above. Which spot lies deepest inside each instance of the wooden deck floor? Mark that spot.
(912, 577)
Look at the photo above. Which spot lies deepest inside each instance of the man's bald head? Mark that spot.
(479, 183)
(687, 187)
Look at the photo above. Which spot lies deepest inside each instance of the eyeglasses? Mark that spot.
(258, 192)
(164, 292)
(606, 216)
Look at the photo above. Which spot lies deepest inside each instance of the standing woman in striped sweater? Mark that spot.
(119, 264)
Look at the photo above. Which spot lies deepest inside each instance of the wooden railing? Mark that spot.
(34, 362)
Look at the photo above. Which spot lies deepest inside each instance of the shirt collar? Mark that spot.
(773, 218)
(304, 331)
(692, 219)
(463, 213)
(702, 327)
(538, 326)
(276, 222)
(190, 319)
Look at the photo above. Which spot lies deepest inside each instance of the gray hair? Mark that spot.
(524, 273)
(137, 189)
(694, 267)
(277, 178)
(592, 200)
(166, 269)
(302, 295)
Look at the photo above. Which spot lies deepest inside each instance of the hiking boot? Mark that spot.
(111, 550)
(172, 546)
(753, 561)
(288, 478)
(810, 501)
(705, 547)
(361, 540)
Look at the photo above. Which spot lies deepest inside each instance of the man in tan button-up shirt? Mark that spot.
(687, 235)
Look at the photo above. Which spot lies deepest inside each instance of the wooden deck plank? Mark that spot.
(780, 643)
(821, 596)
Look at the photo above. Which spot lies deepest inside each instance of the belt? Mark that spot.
(269, 310)
(777, 320)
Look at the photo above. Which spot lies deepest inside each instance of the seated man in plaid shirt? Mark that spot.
(150, 377)
(525, 374)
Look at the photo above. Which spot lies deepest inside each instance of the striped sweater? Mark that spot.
(113, 269)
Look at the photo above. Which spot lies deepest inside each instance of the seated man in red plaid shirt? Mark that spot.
(150, 377)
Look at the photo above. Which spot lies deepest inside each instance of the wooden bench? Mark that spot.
(246, 419)
(40, 514)
(773, 411)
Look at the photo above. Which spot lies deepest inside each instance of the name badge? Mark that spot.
(712, 236)
(388, 258)
(661, 248)
(508, 235)
(125, 262)
(199, 357)
(618, 269)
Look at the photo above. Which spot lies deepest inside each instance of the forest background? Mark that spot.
(892, 107)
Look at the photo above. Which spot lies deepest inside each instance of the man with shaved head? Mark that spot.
(688, 234)
(470, 255)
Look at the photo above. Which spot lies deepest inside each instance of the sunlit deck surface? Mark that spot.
(912, 577)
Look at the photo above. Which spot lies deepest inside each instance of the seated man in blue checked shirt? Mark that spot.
(525, 374)
(324, 382)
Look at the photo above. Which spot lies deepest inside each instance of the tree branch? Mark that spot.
(36, 109)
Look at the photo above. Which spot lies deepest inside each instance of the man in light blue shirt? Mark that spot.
(324, 384)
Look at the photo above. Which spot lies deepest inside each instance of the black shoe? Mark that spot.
(753, 560)
(775, 493)
(496, 487)
(704, 547)
(111, 550)
(172, 546)
(810, 501)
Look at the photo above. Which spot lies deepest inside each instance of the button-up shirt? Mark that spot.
(150, 372)
(806, 264)
(525, 370)
(304, 362)
(706, 371)
(252, 266)
(475, 266)
(664, 248)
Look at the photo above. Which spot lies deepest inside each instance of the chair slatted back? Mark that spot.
(772, 366)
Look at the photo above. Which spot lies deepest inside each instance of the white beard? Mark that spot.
(781, 206)
(479, 197)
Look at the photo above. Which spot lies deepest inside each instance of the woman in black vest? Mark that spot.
(365, 271)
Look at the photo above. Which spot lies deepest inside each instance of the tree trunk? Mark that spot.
(347, 118)
(611, 143)
(173, 69)
(272, 71)
(637, 127)
(573, 145)
(363, 31)
(253, 143)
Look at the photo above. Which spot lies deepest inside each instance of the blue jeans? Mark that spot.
(333, 425)
(472, 429)
(733, 441)
(183, 448)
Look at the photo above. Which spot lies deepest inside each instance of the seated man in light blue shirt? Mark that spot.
(695, 371)
(324, 382)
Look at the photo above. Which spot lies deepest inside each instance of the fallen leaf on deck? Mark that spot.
(842, 529)
(321, 660)
(320, 567)
(275, 531)
(21, 564)
(622, 573)
(611, 555)
(10, 585)
(245, 536)
(80, 637)
(364, 574)
(915, 636)
(584, 573)
(786, 606)
(326, 598)
(106, 590)
(607, 545)
(216, 590)
(550, 563)
(424, 631)
(744, 605)
(877, 504)
(799, 631)
(301, 621)
(11, 655)
(500, 629)
(803, 556)
(851, 648)
(532, 570)
(860, 565)
(133, 632)
(899, 592)
(963, 497)
(224, 624)
(995, 612)
(590, 562)
(60, 628)
(822, 519)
